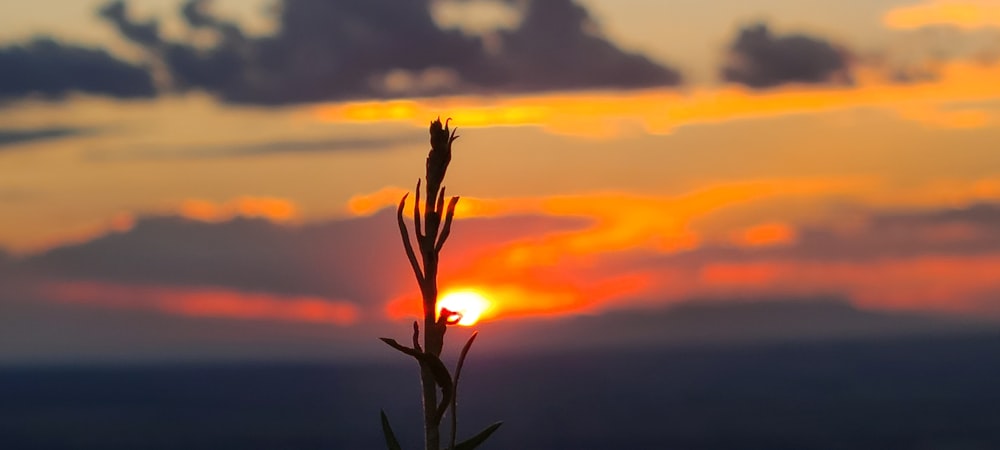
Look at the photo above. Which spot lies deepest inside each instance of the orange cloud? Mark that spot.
(954, 284)
(626, 221)
(943, 283)
(609, 114)
(767, 234)
(368, 204)
(933, 194)
(638, 211)
(274, 209)
(121, 222)
(966, 14)
(270, 208)
(587, 269)
(938, 283)
(205, 302)
(554, 273)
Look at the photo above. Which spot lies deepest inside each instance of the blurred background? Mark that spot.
(767, 224)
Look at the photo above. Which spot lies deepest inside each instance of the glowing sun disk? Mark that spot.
(470, 304)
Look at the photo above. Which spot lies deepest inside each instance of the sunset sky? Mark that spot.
(218, 178)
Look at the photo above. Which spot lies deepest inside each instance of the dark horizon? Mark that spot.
(859, 394)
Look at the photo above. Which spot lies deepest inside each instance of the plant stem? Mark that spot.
(433, 344)
(433, 374)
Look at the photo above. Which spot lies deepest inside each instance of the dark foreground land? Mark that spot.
(913, 393)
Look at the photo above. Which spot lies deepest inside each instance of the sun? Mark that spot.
(470, 304)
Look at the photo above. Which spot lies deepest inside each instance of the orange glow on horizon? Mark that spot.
(940, 283)
(205, 302)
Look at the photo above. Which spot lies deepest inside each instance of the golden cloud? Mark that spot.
(271, 208)
(966, 14)
(609, 114)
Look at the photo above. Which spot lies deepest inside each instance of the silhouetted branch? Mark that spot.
(407, 350)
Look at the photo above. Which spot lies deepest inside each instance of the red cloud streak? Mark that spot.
(205, 302)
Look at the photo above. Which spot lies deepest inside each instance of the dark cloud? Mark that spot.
(760, 59)
(358, 259)
(49, 69)
(559, 45)
(196, 15)
(147, 33)
(11, 137)
(372, 48)
(969, 230)
(339, 260)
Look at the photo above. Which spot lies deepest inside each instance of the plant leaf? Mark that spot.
(390, 437)
(407, 246)
(449, 216)
(475, 441)
(402, 348)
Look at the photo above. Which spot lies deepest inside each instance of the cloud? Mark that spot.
(249, 255)
(765, 235)
(648, 250)
(14, 137)
(47, 319)
(558, 45)
(955, 232)
(205, 302)
(270, 208)
(567, 271)
(867, 235)
(760, 59)
(46, 68)
(548, 256)
(377, 48)
(965, 14)
(533, 257)
(919, 260)
(147, 33)
(276, 147)
(357, 260)
(950, 118)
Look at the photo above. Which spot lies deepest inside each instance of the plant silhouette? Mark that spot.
(431, 233)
